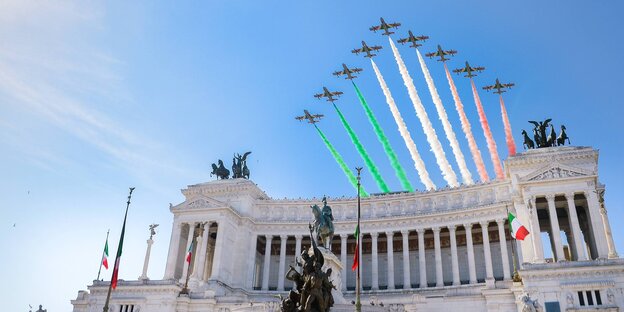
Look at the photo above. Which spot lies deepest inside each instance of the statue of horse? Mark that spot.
(552, 137)
(323, 226)
(528, 143)
(220, 171)
(563, 136)
(245, 171)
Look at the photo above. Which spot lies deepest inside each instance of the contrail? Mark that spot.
(448, 129)
(367, 160)
(341, 162)
(465, 123)
(511, 144)
(498, 169)
(411, 146)
(394, 161)
(432, 138)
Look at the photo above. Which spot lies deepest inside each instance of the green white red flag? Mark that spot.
(105, 255)
(356, 257)
(518, 231)
(189, 253)
(119, 249)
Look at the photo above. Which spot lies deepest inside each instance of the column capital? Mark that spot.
(342, 236)
(283, 237)
(569, 195)
(452, 227)
(420, 231)
(500, 221)
(436, 230)
(467, 225)
(405, 232)
(484, 224)
(300, 237)
(550, 197)
(389, 234)
(269, 237)
(374, 235)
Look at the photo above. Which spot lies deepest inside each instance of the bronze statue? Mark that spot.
(220, 171)
(323, 223)
(152, 231)
(528, 144)
(563, 136)
(552, 137)
(312, 291)
(239, 166)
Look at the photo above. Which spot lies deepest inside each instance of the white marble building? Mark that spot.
(422, 251)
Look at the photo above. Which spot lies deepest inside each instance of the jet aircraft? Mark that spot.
(366, 49)
(385, 27)
(311, 118)
(468, 70)
(328, 94)
(347, 71)
(413, 39)
(441, 53)
(499, 87)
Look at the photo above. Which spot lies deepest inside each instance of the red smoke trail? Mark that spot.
(511, 145)
(474, 149)
(488, 134)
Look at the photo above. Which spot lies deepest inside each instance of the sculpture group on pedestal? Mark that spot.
(540, 139)
(239, 168)
(313, 287)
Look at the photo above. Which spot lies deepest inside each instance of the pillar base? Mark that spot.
(490, 283)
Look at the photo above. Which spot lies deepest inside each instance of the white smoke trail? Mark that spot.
(419, 164)
(487, 132)
(448, 129)
(432, 138)
(465, 123)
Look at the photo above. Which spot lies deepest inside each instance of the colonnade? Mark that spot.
(407, 263)
(204, 250)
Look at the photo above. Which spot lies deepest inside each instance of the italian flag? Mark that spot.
(189, 254)
(518, 231)
(105, 255)
(118, 258)
(356, 260)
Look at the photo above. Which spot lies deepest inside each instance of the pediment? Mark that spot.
(205, 203)
(556, 171)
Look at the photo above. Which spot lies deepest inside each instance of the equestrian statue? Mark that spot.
(540, 139)
(323, 224)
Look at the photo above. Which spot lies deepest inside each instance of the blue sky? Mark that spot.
(97, 97)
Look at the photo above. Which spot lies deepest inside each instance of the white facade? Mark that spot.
(417, 253)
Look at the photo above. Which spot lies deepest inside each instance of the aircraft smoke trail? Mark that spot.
(411, 146)
(465, 123)
(448, 129)
(511, 144)
(341, 162)
(498, 169)
(432, 138)
(367, 160)
(394, 161)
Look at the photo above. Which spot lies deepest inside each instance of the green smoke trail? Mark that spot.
(394, 161)
(341, 163)
(369, 163)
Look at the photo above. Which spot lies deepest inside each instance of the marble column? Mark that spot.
(375, 263)
(267, 262)
(185, 266)
(298, 239)
(143, 276)
(251, 263)
(282, 263)
(343, 259)
(219, 262)
(422, 264)
(536, 233)
(201, 252)
(389, 237)
(407, 283)
(174, 250)
(502, 238)
(597, 227)
(489, 273)
(607, 230)
(472, 270)
(438, 257)
(210, 257)
(454, 259)
(554, 227)
(577, 236)
(196, 258)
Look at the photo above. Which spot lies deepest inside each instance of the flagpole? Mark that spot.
(516, 277)
(110, 286)
(185, 290)
(100, 270)
(358, 304)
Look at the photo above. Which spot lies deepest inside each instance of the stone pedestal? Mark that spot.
(146, 261)
(331, 261)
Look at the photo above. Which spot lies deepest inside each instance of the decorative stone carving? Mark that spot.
(556, 173)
